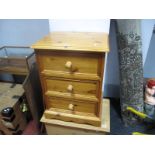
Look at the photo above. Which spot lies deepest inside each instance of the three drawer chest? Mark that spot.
(71, 68)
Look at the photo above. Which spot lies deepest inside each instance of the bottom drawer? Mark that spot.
(54, 117)
(72, 105)
(70, 117)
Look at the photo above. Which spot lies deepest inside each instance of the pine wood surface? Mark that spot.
(81, 63)
(75, 41)
(78, 106)
(54, 126)
(71, 96)
(73, 72)
(71, 87)
(69, 117)
(51, 73)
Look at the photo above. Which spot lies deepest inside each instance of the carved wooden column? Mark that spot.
(131, 68)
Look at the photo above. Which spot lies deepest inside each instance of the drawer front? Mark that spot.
(71, 87)
(71, 105)
(69, 62)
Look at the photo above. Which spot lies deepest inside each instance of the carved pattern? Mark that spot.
(131, 71)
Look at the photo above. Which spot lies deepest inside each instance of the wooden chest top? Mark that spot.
(74, 41)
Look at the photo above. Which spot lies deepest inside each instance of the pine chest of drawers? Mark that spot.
(71, 66)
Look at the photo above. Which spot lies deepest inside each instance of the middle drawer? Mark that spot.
(71, 87)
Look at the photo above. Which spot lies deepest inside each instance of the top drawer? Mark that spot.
(74, 64)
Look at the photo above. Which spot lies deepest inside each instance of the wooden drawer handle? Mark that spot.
(70, 88)
(71, 107)
(68, 64)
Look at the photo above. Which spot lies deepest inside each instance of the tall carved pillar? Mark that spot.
(131, 66)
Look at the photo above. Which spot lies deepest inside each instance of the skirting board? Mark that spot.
(58, 127)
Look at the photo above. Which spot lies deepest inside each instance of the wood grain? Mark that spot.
(80, 76)
(74, 62)
(56, 102)
(81, 63)
(33, 94)
(59, 127)
(51, 114)
(75, 41)
(71, 96)
(78, 87)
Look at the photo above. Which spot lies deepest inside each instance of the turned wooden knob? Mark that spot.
(68, 64)
(71, 107)
(70, 88)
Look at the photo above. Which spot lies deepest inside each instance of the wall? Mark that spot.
(80, 25)
(146, 30)
(149, 67)
(21, 32)
(112, 80)
(148, 45)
